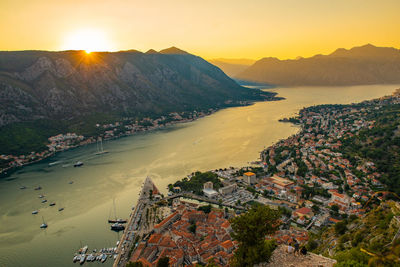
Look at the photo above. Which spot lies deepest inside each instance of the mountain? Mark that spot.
(45, 93)
(71, 84)
(232, 67)
(366, 64)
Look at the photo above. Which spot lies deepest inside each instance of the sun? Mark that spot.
(90, 40)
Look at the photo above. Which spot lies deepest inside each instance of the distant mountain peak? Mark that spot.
(152, 51)
(366, 64)
(173, 51)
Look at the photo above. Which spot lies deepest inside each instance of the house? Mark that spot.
(228, 189)
(303, 212)
(249, 177)
(280, 183)
(209, 191)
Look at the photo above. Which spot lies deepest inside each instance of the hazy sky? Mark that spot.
(211, 29)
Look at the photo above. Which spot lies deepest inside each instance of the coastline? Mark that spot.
(6, 172)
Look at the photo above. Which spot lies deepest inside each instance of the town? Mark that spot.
(306, 177)
(125, 127)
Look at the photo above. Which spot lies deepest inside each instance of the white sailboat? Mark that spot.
(43, 225)
(100, 149)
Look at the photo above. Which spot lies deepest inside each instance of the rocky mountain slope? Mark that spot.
(360, 65)
(73, 84)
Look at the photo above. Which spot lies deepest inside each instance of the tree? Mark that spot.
(134, 264)
(340, 228)
(250, 230)
(163, 262)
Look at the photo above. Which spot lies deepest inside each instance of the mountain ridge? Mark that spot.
(365, 64)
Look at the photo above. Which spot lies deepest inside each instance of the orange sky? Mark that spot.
(208, 28)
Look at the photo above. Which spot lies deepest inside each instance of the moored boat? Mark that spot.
(117, 227)
(78, 164)
(43, 225)
(82, 259)
(35, 212)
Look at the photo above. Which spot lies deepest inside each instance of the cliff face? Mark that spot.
(69, 84)
(360, 65)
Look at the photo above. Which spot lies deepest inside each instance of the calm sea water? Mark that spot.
(230, 137)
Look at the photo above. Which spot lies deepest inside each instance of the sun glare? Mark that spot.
(90, 40)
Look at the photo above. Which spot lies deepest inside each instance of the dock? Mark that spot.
(134, 225)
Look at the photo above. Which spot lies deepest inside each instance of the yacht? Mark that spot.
(35, 212)
(41, 196)
(60, 209)
(78, 164)
(100, 149)
(44, 200)
(117, 227)
(43, 225)
(117, 221)
(52, 204)
(83, 258)
(104, 258)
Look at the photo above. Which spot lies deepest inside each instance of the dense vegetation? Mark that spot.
(363, 241)
(381, 145)
(250, 230)
(196, 182)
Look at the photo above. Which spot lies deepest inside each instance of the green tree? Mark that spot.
(163, 262)
(250, 230)
(340, 228)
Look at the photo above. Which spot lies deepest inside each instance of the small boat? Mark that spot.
(52, 204)
(38, 187)
(104, 258)
(22, 187)
(90, 257)
(54, 163)
(117, 243)
(60, 209)
(41, 196)
(83, 258)
(71, 182)
(117, 227)
(115, 256)
(43, 225)
(78, 164)
(35, 212)
(75, 259)
(44, 200)
(84, 249)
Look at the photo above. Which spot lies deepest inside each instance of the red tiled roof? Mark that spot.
(304, 210)
(166, 220)
(154, 238)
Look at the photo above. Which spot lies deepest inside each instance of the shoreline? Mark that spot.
(7, 172)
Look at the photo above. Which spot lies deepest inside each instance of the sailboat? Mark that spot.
(116, 221)
(100, 149)
(43, 225)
